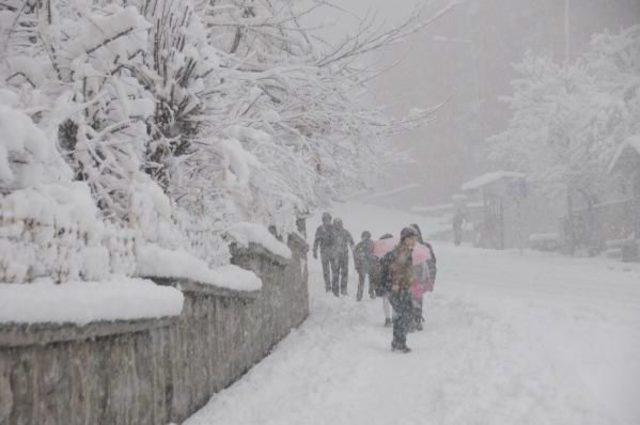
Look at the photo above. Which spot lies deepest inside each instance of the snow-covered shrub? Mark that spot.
(184, 117)
(80, 55)
(49, 224)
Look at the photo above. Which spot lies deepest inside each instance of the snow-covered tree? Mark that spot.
(568, 120)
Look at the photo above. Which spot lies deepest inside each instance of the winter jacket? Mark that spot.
(363, 256)
(343, 241)
(396, 269)
(325, 239)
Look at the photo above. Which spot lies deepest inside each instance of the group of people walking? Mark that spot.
(399, 270)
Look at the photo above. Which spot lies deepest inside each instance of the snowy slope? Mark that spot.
(510, 339)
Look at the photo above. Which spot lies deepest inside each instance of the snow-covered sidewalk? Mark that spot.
(510, 339)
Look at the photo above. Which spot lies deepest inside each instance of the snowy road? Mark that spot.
(510, 339)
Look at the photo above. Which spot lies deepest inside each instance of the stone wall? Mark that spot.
(152, 371)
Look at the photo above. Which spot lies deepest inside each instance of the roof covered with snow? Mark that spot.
(433, 208)
(489, 178)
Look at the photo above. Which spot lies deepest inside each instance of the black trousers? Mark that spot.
(402, 316)
(326, 270)
(339, 273)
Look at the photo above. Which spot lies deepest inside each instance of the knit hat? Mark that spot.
(408, 232)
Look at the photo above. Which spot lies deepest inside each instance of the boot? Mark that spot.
(404, 349)
(400, 347)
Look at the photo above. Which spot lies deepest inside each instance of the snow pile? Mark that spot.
(51, 230)
(152, 213)
(80, 303)
(246, 233)
(50, 225)
(237, 278)
(27, 156)
(238, 163)
(155, 261)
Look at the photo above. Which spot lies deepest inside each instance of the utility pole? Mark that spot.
(567, 30)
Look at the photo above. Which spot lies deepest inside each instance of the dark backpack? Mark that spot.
(384, 281)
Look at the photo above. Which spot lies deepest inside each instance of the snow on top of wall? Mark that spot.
(63, 203)
(234, 277)
(155, 261)
(80, 303)
(245, 233)
(489, 178)
(58, 230)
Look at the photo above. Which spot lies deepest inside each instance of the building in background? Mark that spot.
(502, 223)
(619, 220)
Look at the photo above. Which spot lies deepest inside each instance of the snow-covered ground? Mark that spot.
(510, 339)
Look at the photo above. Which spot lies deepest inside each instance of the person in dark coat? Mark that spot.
(325, 240)
(340, 261)
(380, 290)
(458, 221)
(364, 263)
(397, 275)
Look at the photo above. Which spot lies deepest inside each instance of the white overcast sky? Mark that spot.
(338, 24)
(465, 60)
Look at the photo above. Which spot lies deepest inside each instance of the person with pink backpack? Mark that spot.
(424, 279)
